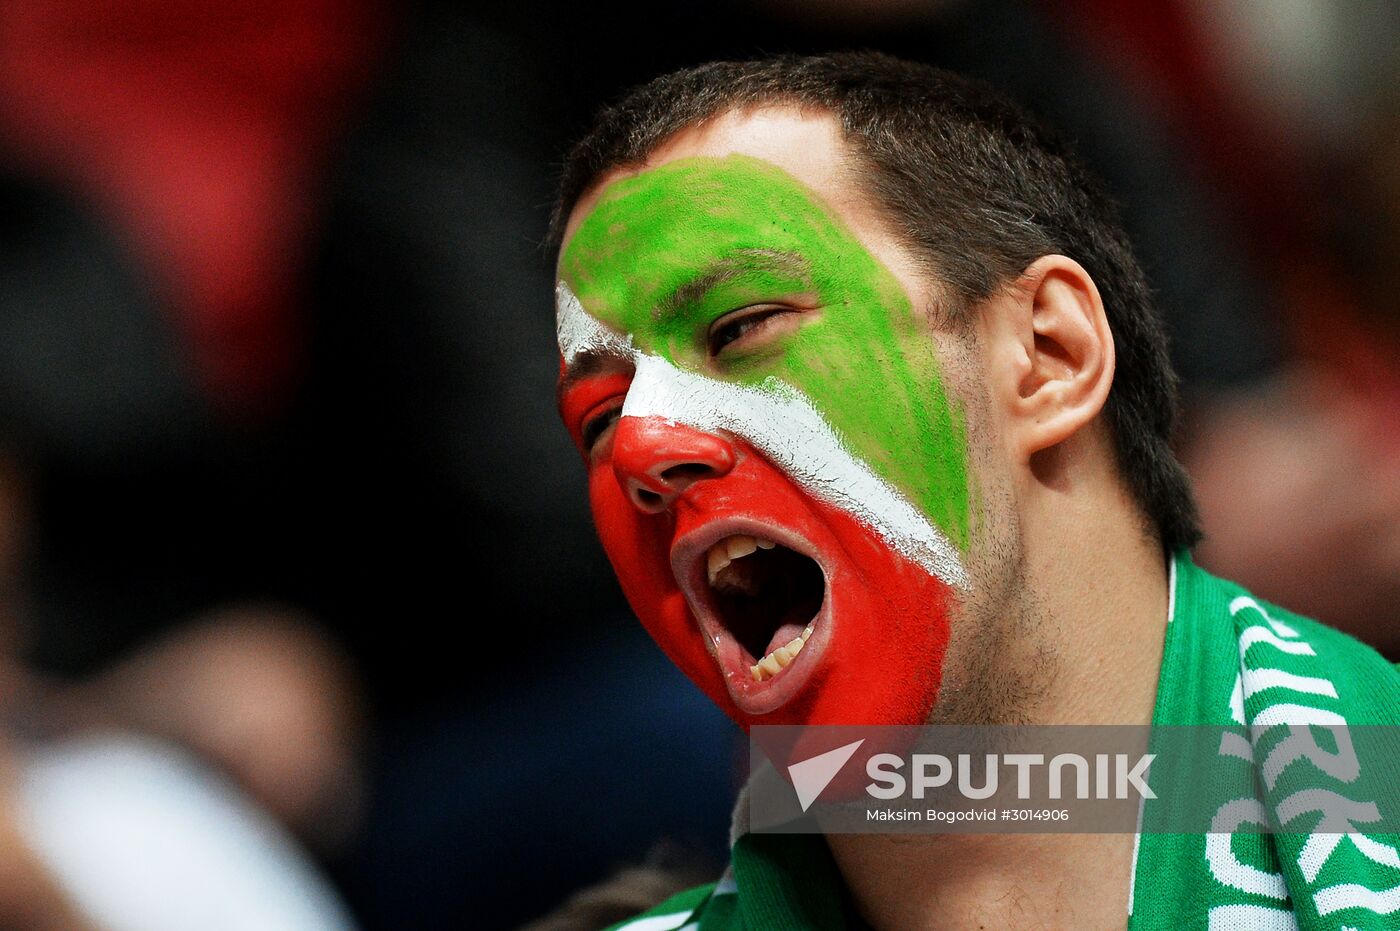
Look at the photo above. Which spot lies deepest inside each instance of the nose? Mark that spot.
(655, 460)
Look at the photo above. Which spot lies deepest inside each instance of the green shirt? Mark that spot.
(1228, 659)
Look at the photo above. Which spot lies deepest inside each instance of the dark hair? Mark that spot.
(975, 184)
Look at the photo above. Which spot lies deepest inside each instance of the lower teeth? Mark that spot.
(779, 659)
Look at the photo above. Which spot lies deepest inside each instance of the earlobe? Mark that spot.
(1069, 357)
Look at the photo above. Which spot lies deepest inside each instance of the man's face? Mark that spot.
(777, 467)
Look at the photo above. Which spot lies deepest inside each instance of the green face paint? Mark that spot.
(666, 253)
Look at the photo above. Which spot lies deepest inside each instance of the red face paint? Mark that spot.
(876, 652)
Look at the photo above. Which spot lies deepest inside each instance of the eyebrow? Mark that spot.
(725, 270)
(730, 268)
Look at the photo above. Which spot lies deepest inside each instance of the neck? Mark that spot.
(1101, 592)
(1101, 586)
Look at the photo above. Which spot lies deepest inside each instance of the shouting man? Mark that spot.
(876, 412)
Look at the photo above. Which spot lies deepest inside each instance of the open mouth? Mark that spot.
(767, 596)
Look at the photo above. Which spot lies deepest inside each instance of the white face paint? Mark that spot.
(579, 333)
(779, 421)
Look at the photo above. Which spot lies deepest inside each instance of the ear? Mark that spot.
(1053, 336)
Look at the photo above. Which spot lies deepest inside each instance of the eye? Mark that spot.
(736, 326)
(595, 426)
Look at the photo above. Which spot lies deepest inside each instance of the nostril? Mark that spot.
(655, 461)
(679, 476)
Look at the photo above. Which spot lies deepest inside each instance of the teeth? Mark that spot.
(780, 658)
(729, 549)
(718, 558)
(740, 546)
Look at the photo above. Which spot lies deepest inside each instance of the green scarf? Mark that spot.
(1229, 659)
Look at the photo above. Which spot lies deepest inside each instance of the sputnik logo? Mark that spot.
(814, 774)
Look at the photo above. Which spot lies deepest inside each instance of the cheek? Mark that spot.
(635, 546)
(894, 622)
(899, 672)
(638, 547)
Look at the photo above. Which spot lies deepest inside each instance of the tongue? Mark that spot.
(783, 636)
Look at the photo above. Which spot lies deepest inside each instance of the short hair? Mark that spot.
(975, 185)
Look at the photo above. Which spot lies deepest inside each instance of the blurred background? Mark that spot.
(302, 620)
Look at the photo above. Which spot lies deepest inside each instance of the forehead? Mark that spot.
(806, 145)
(775, 179)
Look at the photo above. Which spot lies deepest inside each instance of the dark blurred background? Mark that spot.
(281, 482)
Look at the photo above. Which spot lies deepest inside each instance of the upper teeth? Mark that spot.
(729, 549)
